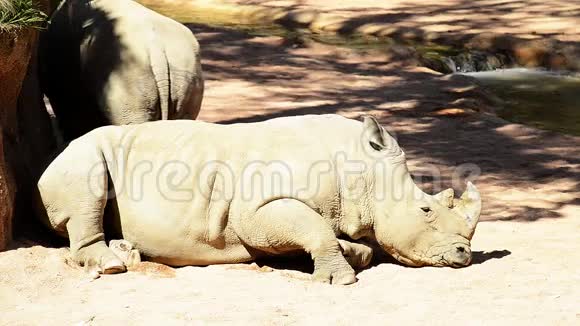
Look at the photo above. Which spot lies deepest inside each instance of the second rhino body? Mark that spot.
(207, 194)
(116, 62)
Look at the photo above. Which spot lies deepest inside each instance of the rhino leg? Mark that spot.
(356, 254)
(189, 101)
(124, 250)
(287, 225)
(74, 194)
(98, 258)
(87, 240)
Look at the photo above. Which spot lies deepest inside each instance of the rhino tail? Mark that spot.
(162, 74)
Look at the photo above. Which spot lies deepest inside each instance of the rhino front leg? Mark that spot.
(356, 254)
(286, 225)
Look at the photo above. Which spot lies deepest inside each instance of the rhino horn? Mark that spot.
(469, 206)
(445, 197)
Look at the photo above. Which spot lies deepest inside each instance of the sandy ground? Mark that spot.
(527, 250)
(523, 272)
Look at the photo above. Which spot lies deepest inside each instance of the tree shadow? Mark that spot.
(486, 25)
(538, 172)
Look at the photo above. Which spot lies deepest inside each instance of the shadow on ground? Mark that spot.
(304, 264)
(470, 17)
(480, 257)
(526, 174)
(505, 27)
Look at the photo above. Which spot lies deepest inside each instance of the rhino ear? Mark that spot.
(445, 197)
(374, 133)
(379, 139)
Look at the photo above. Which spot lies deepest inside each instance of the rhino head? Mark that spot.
(416, 228)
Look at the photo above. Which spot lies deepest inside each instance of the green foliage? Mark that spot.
(20, 13)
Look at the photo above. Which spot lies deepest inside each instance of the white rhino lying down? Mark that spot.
(116, 62)
(196, 193)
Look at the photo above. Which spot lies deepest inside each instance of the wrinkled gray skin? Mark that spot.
(116, 62)
(209, 194)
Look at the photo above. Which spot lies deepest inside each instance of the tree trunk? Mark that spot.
(26, 135)
(15, 50)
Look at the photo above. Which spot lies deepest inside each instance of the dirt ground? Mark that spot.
(526, 250)
(529, 19)
(532, 33)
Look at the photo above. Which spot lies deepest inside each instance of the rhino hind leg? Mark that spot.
(97, 258)
(286, 225)
(74, 193)
(189, 104)
(87, 238)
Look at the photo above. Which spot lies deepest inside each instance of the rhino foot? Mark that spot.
(98, 258)
(124, 250)
(356, 254)
(333, 270)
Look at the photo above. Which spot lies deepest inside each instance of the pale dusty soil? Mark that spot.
(527, 251)
(527, 273)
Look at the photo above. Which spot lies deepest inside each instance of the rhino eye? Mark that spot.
(426, 209)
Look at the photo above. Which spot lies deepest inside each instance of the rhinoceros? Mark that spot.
(194, 193)
(116, 62)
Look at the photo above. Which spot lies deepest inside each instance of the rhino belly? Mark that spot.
(179, 240)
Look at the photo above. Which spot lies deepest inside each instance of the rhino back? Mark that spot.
(116, 62)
